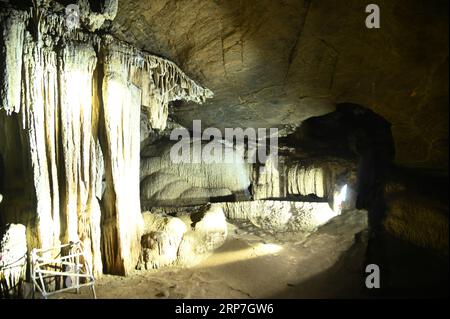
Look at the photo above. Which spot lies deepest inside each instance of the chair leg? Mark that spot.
(93, 291)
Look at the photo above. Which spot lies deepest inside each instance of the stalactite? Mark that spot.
(39, 106)
(79, 140)
(126, 85)
(122, 220)
(267, 181)
(160, 81)
(308, 180)
(11, 47)
(79, 97)
(164, 182)
(320, 177)
(95, 20)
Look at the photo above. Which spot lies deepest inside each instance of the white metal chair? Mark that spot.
(70, 267)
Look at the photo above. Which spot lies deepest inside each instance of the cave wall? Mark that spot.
(273, 63)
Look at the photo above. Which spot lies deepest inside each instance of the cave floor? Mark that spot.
(252, 264)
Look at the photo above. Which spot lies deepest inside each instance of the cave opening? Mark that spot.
(271, 157)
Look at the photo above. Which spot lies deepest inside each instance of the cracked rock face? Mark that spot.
(272, 63)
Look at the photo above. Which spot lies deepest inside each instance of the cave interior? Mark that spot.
(224, 149)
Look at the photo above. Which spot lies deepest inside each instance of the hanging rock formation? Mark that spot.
(71, 103)
(164, 182)
(316, 177)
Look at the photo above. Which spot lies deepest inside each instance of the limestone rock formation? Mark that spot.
(164, 182)
(317, 177)
(418, 214)
(208, 231)
(86, 113)
(302, 218)
(417, 220)
(11, 45)
(184, 240)
(13, 260)
(161, 240)
(71, 103)
(95, 20)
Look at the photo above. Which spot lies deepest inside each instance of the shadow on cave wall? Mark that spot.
(409, 204)
(351, 129)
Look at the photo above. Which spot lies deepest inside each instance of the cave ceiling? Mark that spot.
(276, 63)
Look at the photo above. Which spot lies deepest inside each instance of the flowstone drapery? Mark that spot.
(75, 98)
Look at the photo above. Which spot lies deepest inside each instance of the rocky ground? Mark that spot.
(252, 264)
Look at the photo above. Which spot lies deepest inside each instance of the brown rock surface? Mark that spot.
(272, 63)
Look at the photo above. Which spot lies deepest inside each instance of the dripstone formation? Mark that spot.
(70, 104)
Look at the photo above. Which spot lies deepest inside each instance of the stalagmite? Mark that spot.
(267, 181)
(161, 240)
(208, 232)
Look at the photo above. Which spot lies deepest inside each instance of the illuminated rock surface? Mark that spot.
(303, 218)
(13, 260)
(184, 240)
(319, 176)
(74, 133)
(164, 182)
(161, 240)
